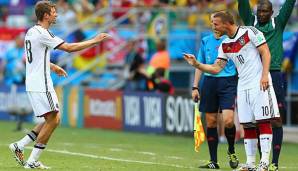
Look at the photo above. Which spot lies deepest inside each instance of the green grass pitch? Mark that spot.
(73, 149)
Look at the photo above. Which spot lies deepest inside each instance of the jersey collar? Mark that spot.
(235, 33)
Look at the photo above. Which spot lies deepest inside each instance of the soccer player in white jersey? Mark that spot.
(38, 44)
(247, 48)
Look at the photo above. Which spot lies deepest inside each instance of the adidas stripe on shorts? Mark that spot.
(43, 102)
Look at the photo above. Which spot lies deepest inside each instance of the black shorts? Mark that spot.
(280, 87)
(218, 93)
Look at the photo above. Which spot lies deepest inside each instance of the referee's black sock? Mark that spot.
(277, 136)
(230, 135)
(212, 139)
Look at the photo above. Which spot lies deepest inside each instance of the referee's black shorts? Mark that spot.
(218, 93)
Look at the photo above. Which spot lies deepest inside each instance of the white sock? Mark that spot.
(250, 146)
(24, 141)
(30, 137)
(36, 152)
(265, 143)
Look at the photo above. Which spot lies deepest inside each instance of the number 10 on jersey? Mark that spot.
(240, 59)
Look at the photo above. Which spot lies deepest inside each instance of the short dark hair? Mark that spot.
(265, 2)
(225, 17)
(43, 7)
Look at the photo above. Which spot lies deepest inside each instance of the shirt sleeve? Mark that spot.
(201, 53)
(50, 40)
(245, 12)
(256, 36)
(285, 12)
(221, 55)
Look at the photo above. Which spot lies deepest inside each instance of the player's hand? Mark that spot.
(60, 71)
(264, 82)
(102, 36)
(195, 95)
(191, 59)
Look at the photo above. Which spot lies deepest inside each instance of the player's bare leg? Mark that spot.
(17, 148)
(52, 120)
(38, 127)
(221, 129)
(230, 133)
(212, 139)
(239, 127)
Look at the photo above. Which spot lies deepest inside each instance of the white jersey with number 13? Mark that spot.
(38, 44)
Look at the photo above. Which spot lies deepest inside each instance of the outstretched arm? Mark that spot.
(72, 47)
(215, 68)
(245, 12)
(285, 12)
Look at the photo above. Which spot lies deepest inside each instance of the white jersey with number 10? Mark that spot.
(242, 50)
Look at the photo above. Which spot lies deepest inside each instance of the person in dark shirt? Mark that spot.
(137, 77)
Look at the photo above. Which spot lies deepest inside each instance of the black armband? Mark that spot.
(194, 88)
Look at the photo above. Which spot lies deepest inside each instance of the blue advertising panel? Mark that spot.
(143, 112)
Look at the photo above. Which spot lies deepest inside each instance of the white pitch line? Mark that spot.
(116, 149)
(115, 159)
(287, 167)
(174, 157)
(129, 161)
(146, 153)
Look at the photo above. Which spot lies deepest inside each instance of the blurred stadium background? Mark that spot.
(103, 89)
